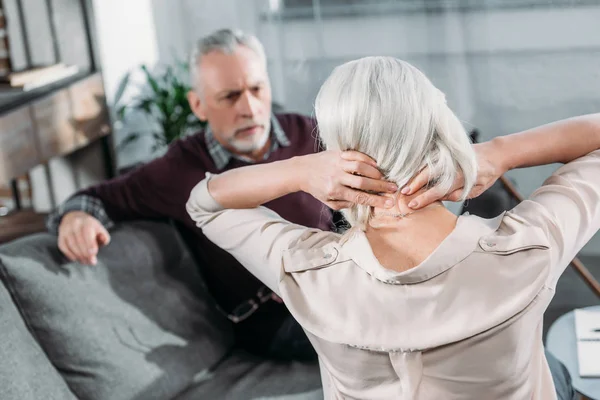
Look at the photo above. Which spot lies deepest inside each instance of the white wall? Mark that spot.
(127, 38)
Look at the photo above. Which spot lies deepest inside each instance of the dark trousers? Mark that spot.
(561, 378)
(273, 333)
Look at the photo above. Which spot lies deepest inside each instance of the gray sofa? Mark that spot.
(138, 325)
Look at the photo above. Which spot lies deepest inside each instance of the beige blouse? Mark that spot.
(464, 324)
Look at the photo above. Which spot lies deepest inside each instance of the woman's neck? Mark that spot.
(402, 238)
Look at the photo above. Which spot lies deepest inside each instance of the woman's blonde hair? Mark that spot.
(389, 110)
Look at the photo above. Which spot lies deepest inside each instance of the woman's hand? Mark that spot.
(342, 179)
(488, 172)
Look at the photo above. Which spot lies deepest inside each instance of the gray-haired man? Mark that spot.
(232, 93)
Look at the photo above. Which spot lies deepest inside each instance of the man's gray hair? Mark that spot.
(225, 41)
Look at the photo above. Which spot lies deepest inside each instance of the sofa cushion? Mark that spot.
(137, 325)
(25, 371)
(243, 376)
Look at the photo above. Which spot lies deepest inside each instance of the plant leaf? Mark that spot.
(151, 80)
(121, 112)
(132, 137)
(165, 101)
(122, 87)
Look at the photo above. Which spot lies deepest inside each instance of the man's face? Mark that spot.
(234, 96)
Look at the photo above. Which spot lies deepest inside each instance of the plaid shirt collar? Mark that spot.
(221, 156)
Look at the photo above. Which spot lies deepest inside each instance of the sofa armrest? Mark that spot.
(138, 325)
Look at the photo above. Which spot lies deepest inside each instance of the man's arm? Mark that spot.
(154, 190)
(84, 203)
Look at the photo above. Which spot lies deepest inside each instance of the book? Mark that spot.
(37, 77)
(587, 332)
(588, 358)
(587, 324)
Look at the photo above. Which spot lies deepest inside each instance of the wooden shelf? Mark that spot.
(11, 99)
(53, 122)
(21, 223)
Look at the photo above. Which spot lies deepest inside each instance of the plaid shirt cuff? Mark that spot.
(88, 204)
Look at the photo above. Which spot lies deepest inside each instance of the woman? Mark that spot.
(413, 302)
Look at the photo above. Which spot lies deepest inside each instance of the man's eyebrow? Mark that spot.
(258, 83)
(238, 91)
(228, 92)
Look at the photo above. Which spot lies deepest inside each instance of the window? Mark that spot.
(349, 8)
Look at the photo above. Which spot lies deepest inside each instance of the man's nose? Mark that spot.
(248, 105)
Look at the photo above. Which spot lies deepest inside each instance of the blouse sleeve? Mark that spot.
(256, 237)
(567, 207)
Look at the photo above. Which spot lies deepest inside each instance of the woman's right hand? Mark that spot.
(343, 179)
(489, 170)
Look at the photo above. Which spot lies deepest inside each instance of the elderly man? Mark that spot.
(231, 91)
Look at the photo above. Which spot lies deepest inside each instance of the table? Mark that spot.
(562, 343)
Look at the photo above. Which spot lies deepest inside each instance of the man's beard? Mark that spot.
(253, 143)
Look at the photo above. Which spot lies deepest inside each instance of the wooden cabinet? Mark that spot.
(18, 147)
(54, 130)
(53, 125)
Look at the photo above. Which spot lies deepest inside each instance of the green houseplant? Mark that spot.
(163, 100)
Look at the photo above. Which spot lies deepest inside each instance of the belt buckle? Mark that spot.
(244, 310)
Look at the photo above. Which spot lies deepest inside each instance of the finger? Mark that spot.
(90, 234)
(103, 237)
(73, 246)
(368, 184)
(82, 247)
(362, 169)
(64, 248)
(425, 199)
(352, 155)
(86, 242)
(338, 205)
(454, 196)
(458, 184)
(477, 191)
(81, 241)
(366, 199)
(418, 182)
(90, 242)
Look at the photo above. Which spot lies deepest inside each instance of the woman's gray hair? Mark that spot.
(389, 110)
(225, 41)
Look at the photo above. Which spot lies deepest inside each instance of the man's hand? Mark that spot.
(80, 235)
(342, 179)
(488, 172)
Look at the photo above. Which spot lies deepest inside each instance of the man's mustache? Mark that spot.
(248, 126)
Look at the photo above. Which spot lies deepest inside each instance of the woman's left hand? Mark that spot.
(343, 179)
(488, 172)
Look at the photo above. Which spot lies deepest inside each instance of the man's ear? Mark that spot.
(196, 105)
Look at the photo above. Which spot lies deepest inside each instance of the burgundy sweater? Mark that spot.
(161, 189)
